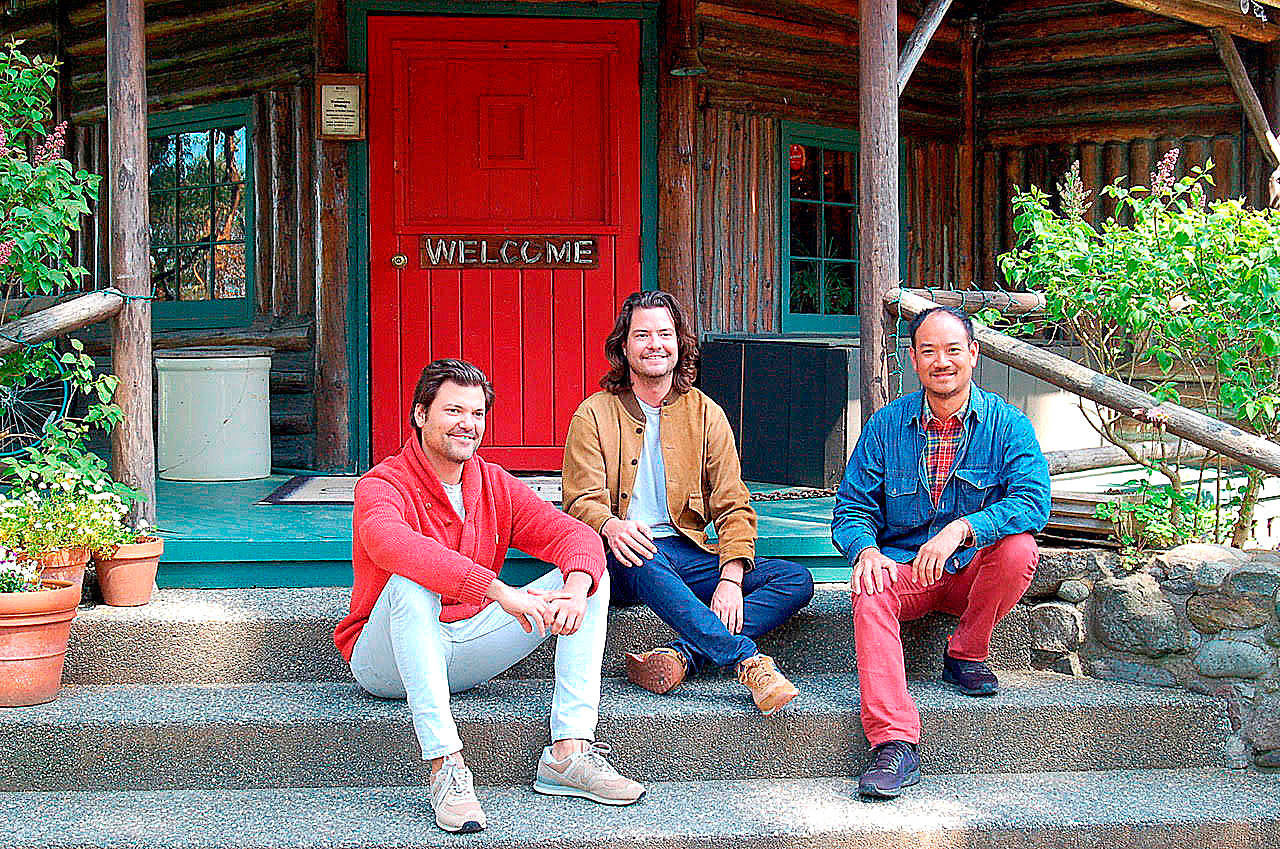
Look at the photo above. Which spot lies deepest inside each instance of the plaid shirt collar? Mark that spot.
(927, 417)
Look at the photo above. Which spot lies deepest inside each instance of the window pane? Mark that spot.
(228, 213)
(839, 232)
(804, 229)
(228, 271)
(163, 273)
(840, 176)
(164, 211)
(193, 159)
(161, 158)
(841, 289)
(228, 155)
(193, 274)
(802, 162)
(805, 286)
(193, 215)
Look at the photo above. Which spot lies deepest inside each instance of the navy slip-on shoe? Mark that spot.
(971, 677)
(893, 765)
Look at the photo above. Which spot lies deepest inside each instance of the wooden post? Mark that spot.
(1271, 103)
(877, 194)
(1191, 425)
(1253, 110)
(925, 27)
(676, 110)
(133, 452)
(967, 154)
(333, 388)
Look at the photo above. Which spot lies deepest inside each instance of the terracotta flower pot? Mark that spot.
(63, 564)
(127, 574)
(34, 628)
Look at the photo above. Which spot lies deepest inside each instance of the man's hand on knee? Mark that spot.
(630, 541)
(531, 611)
(873, 572)
(931, 560)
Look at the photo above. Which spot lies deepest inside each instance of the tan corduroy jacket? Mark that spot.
(704, 478)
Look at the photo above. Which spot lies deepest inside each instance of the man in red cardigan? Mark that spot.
(429, 616)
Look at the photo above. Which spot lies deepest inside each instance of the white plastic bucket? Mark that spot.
(214, 413)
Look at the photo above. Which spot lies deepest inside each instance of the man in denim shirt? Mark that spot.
(935, 512)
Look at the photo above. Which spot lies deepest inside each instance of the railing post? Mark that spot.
(133, 453)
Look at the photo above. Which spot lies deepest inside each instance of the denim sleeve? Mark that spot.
(859, 511)
(1025, 505)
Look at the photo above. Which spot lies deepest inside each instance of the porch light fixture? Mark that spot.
(685, 62)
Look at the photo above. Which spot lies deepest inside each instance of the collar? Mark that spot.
(632, 405)
(976, 406)
(426, 475)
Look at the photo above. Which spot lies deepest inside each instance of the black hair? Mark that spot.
(958, 315)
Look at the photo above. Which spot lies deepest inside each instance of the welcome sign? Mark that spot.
(507, 251)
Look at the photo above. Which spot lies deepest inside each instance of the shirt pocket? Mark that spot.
(903, 504)
(975, 489)
(695, 511)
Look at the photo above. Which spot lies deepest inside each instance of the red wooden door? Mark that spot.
(500, 127)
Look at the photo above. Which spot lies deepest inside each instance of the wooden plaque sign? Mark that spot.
(340, 106)
(507, 251)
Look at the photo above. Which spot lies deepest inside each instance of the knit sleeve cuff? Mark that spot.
(587, 563)
(476, 585)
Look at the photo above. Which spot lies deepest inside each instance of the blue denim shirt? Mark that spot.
(999, 482)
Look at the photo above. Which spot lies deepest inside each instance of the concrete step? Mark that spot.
(244, 636)
(1205, 809)
(321, 734)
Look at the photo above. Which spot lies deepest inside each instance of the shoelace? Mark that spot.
(887, 759)
(458, 780)
(759, 673)
(595, 757)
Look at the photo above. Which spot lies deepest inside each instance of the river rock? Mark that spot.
(1074, 591)
(1209, 576)
(1213, 612)
(1232, 659)
(1056, 627)
(1113, 669)
(1263, 727)
(1256, 576)
(1131, 614)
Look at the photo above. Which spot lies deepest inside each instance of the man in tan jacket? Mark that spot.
(648, 463)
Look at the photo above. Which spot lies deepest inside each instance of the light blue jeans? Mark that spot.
(406, 652)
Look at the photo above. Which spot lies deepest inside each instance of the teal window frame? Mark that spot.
(223, 312)
(829, 138)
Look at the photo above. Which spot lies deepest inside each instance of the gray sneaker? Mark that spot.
(587, 775)
(453, 798)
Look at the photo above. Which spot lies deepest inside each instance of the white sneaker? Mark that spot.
(586, 775)
(453, 798)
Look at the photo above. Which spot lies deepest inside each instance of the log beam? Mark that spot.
(919, 40)
(1008, 303)
(877, 193)
(1067, 460)
(1253, 111)
(133, 453)
(677, 108)
(1211, 13)
(54, 321)
(333, 386)
(1191, 425)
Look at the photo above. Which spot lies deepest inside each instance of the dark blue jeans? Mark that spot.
(677, 584)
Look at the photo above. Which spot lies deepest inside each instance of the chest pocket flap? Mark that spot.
(901, 484)
(977, 478)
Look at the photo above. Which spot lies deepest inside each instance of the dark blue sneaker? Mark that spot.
(893, 765)
(971, 677)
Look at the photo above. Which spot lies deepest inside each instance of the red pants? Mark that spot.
(980, 594)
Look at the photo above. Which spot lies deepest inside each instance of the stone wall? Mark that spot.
(1202, 617)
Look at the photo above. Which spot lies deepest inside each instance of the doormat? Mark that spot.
(341, 489)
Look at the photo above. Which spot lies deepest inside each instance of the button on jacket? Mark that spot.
(999, 482)
(704, 477)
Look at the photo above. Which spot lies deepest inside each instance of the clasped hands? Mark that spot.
(873, 571)
(550, 611)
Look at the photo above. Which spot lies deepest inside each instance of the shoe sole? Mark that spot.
(912, 778)
(662, 683)
(968, 691)
(468, 827)
(776, 702)
(577, 792)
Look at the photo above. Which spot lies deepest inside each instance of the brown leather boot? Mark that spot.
(657, 670)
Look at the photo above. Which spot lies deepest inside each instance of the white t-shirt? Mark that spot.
(649, 498)
(454, 491)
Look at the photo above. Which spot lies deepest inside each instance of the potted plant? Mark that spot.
(35, 622)
(126, 558)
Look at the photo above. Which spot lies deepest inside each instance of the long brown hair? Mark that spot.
(618, 380)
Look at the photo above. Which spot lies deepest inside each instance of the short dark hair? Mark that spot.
(958, 315)
(436, 373)
(618, 379)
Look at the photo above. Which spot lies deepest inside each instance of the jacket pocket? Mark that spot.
(695, 508)
(975, 489)
(904, 502)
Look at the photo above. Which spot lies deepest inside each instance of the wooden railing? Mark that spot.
(56, 320)
(1191, 425)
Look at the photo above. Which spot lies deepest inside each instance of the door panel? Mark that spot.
(500, 127)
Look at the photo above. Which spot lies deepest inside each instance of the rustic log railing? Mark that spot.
(61, 318)
(1191, 425)
(1066, 460)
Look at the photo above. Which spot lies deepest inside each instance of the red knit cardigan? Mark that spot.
(403, 524)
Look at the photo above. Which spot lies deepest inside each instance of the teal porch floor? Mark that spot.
(216, 535)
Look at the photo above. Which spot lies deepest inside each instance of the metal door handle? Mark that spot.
(399, 260)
